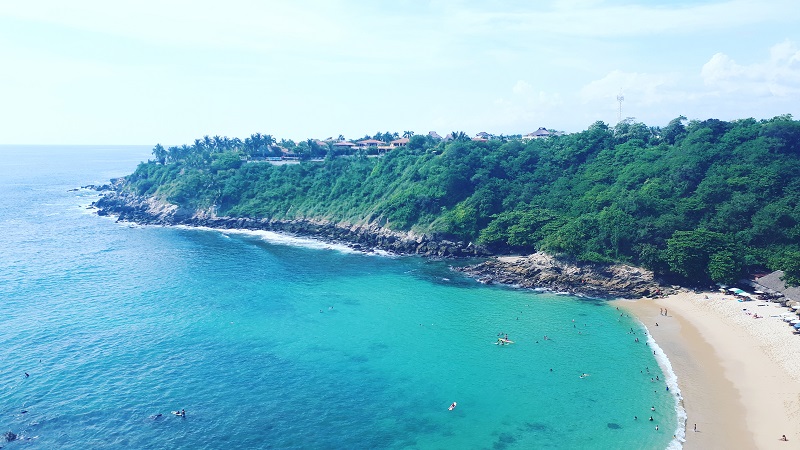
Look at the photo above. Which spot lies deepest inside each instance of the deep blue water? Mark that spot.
(269, 342)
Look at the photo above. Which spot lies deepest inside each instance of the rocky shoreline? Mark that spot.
(538, 270)
(541, 270)
(149, 211)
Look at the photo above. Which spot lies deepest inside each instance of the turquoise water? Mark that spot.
(276, 343)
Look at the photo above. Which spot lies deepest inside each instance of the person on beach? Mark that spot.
(783, 438)
(695, 428)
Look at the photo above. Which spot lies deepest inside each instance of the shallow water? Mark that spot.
(283, 344)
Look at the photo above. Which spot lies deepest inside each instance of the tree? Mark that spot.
(408, 134)
(674, 131)
(459, 136)
(790, 264)
(702, 256)
(160, 153)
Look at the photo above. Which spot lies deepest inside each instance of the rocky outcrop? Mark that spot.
(541, 270)
(150, 211)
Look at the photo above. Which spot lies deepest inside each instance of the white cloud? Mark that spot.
(591, 18)
(777, 76)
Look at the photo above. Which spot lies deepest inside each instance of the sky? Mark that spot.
(171, 71)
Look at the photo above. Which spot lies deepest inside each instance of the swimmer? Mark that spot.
(652, 408)
(651, 418)
(656, 427)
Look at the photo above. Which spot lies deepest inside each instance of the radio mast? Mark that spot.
(620, 98)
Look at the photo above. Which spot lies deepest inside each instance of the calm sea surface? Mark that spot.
(270, 342)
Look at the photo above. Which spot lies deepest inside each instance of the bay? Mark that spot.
(269, 342)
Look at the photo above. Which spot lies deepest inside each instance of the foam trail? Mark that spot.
(672, 382)
(287, 239)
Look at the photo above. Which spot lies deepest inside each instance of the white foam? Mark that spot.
(287, 239)
(672, 382)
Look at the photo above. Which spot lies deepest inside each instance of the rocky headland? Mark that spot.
(538, 270)
(541, 270)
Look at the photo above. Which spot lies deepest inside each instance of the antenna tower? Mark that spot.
(620, 98)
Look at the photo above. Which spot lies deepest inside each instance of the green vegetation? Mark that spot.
(700, 201)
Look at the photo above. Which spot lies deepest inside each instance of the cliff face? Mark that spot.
(149, 211)
(541, 270)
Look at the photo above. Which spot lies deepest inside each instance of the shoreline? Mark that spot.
(534, 270)
(739, 376)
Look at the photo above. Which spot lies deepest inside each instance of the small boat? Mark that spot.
(452, 407)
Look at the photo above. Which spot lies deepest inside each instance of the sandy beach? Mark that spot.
(739, 375)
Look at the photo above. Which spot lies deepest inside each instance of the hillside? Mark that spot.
(698, 201)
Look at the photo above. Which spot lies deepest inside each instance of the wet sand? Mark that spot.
(739, 376)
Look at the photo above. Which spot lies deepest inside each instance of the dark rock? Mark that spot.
(540, 270)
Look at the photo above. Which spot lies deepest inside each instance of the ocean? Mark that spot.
(269, 341)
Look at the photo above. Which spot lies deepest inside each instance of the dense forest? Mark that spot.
(698, 201)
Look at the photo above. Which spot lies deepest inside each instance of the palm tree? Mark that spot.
(160, 153)
(408, 134)
(459, 136)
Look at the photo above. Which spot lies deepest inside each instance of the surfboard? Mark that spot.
(452, 407)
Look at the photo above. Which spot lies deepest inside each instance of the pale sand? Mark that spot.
(739, 376)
